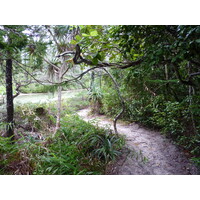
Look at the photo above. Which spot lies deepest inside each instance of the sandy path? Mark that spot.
(148, 152)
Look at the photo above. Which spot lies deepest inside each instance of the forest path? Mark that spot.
(147, 152)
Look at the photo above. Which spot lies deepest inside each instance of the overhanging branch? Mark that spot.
(21, 66)
(78, 59)
(50, 63)
(18, 88)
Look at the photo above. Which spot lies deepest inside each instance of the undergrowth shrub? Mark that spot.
(8, 152)
(34, 117)
(2, 90)
(14, 158)
(170, 117)
(38, 88)
(110, 102)
(95, 97)
(79, 148)
(76, 103)
(41, 116)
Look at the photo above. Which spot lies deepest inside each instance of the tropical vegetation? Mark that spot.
(144, 74)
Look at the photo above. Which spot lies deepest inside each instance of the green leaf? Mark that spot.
(173, 59)
(95, 61)
(99, 57)
(93, 33)
(85, 35)
(198, 40)
(73, 42)
(78, 38)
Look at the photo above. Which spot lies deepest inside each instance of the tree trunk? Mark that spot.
(58, 108)
(9, 100)
(92, 82)
(59, 101)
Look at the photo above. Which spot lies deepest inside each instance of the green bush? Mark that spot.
(13, 157)
(95, 97)
(76, 103)
(38, 88)
(7, 151)
(2, 90)
(170, 117)
(78, 148)
(31, 119)
(110, 102)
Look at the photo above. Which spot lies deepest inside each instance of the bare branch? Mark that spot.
(18, 88)
(65, 72)
(21, 66)
(66, 53)
(80, 75)
(54, 38)
(149, 90)
(194, 74)
(79, 82)
(50, 63)
(120, 97)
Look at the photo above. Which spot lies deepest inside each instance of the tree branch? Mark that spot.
(80, 75)
(121, 100)
(79, 82)
(18, 88)
(50, 63)
(189, 82)
(66, 53)
(48, 28)
(78, 59)
(194, 74)
(20, 65)
(149, 90)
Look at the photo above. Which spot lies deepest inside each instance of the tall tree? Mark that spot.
(9, 98)
(61, 36)
(12, 40)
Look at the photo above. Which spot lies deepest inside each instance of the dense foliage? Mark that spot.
(162, 91)
(77, 148)
(154, 68)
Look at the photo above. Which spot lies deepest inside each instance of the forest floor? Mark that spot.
(146, 152)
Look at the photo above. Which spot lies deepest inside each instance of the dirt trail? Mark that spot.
(147, 152)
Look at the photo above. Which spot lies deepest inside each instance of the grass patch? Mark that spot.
(77, 148)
